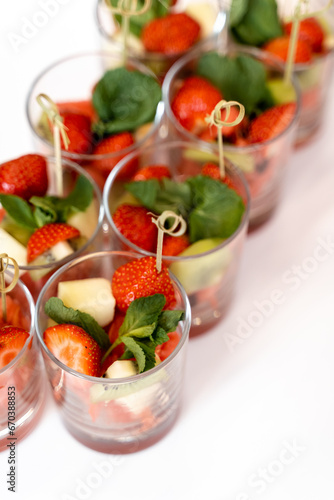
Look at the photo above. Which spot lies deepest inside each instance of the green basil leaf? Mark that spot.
(56, 310)
(158, 8)
(19, 210)
(124, 100)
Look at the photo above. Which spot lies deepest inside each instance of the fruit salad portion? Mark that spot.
(119, 112)
(37, 227)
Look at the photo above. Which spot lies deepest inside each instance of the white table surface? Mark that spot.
(257, 419)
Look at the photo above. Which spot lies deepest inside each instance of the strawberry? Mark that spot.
(170, 34)
(193, 102)
(212, 170)
(25, 176)
(113, 335)
(152, 172)
(110, 146)
(279, 47)
(174, 245)
(136, 225)
(48, 236)
(15, 315)
(165, 349)
(310, 30)
(79, 133)
(140, 278)
(12, 340)
(74, 347)
(79, 107)
(271, 123)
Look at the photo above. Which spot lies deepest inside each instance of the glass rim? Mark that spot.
(114, 381)
(217, 28)
(100, 219)
(32, 309)
(170, 145)
(89, 157)
(265, 58)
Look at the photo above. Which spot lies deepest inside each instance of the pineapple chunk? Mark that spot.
(86, 221)
(13, 248)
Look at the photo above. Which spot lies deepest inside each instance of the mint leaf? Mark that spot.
(142, 312)
(142, 331)
(137, 351)
(148, 349)
(19, 210)
(237, 11)
(240, 78)
(259, 24)
(124, 100)
(218, 210)
(168, 320)
(56, 310)
(44, 212)
(160, 196)
(80, 197)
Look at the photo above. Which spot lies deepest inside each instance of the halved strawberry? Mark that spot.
(311, 31)
(48, 236)
(170, 34)
(15, 315)
(110, 146)
(79, 133)
(12, 340)
(193, 102)
(279, 47)
(140, 278)
(85, 108)
(25, 176)
(136, 225)
(152, 172)
(74, 347)
(271, 123)
(174, 245)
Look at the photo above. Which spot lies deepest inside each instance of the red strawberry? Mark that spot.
(170, 34)
(174, 245)
(25, 176)
(74, 347)
(140, 278)
(279, 47)
(12, 340)
(311, 31)
(193, 102)
(152, 172)
(79, 107)
(212, 170)
(48, 236)
(136, 225)
(79, 133)
(165, 349)
(271, 123)
(15, 315)
(110, 146)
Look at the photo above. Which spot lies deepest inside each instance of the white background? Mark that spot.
(243, 406)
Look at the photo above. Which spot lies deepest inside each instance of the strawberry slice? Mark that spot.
(74, 347)
(311, 31)
(152, 172)
(279, 47)
(15, 315)
(271, 123)
(25, 176)
(136, 225)
(193, 102)
(111, 145)
(48, 236)
(170, 34)
(174, 245)
(85, 108)
(140, 278)
(12, 340)
(79, 133)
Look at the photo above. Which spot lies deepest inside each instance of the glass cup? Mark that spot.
(120, 415)
(35, 275)
(72, 80)
(22, 386)
(263, 164)
(207, 13)
(209, 277)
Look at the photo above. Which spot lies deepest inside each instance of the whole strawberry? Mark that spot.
(110, 146)
(140, 278)
(174, 245)
(74, 347)
(152, 172)
(136, 225)
(272, 122)
(170, 34)
(311, 31)
(279, 47)
(48, 236)
(79, 133)
(25, 176)
(193, 102)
